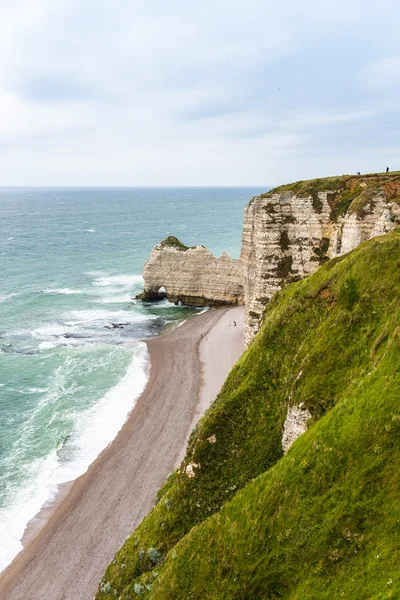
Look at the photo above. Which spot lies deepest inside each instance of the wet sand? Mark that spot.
(67, 558)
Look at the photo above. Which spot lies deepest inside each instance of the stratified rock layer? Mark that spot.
(289, 232)
(193, 276)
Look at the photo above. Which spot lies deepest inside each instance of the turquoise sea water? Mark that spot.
(71, 263)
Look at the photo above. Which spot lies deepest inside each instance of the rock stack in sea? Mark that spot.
(192, 276)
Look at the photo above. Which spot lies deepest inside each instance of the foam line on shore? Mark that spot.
(94, 429)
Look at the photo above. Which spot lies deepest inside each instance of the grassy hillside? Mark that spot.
(322, 521)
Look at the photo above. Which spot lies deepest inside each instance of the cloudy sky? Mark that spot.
(212, 92)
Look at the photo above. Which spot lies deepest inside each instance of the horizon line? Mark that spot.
(4, 187)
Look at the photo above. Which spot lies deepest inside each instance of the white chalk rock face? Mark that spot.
(295, 425)
(193, 276)
(287, 237)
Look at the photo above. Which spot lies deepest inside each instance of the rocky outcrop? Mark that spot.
(193, 276)
(289, 232)
(295, 425)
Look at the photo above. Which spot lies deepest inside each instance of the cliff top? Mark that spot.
(386, 181)
(347, 193)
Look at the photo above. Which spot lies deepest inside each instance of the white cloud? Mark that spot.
(156, 93)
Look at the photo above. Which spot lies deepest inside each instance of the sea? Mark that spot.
(71, 265)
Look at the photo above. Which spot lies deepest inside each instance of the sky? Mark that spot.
(205, 93)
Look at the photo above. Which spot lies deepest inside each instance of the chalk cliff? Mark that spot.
(287, 234)
(193, 276)
(290, 231)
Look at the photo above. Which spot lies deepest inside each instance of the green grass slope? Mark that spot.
(322, 521)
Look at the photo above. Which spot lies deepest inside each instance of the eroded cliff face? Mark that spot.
(289, 232)
(193, 276)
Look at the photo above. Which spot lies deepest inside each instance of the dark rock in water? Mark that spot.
(151, 296)
(116, 325)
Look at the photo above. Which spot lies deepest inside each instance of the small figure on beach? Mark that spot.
(387, 169)
(234, 323)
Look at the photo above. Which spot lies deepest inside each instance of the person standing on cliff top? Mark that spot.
(387, 169)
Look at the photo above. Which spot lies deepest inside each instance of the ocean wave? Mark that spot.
(6, 297)
(163, 304)
(62, 291)
(31, 390)
(46, 346)
(124, 281)
(97, 273)
(117, 299)
(50, 330)
(92, 431)
(103, 316)
(55, 335)
(26, 503)
(96, 428)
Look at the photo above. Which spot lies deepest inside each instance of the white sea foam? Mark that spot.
(49, 331)
(62, 291)
(90, 230)
(93, 430)
(97, 273)
(77, 317)
(124, 281)
(118, 299)
(97, 427)
(5, 297)
(46, 346)
(26, 504)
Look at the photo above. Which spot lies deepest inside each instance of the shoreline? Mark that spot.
(67, 557)
(40, 519)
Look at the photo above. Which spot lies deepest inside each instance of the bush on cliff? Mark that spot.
(173, 242)
(322, 521)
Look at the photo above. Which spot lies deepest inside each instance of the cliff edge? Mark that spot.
(293, 229)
